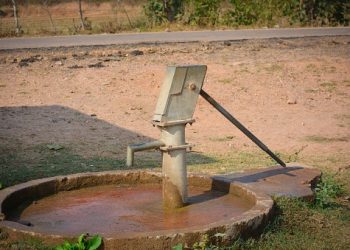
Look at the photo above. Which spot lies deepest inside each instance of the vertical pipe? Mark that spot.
(174, 167)
(129, 157)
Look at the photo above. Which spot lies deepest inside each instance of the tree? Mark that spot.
(15, 15)
(82, 21)
(120, 5)
(160, 11)
(45, 6)
(171, 9)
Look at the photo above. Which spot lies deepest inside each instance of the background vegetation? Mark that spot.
(42, 17)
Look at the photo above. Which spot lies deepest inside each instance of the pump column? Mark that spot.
(174, 163)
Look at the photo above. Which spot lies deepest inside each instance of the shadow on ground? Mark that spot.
(43, 141)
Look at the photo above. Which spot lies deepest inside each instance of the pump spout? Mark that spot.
(131, 149)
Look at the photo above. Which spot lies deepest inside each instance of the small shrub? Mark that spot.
(326, 192)
(154, 11)
(204, 12)
(162, 11)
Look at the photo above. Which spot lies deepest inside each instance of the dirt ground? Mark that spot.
(293, 94)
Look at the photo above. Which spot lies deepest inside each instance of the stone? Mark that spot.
(292, 101)
(136, 53)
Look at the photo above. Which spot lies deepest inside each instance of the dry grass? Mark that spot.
(104, 17)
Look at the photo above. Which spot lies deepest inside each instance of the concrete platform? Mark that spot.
(293, 181)
(125, 208)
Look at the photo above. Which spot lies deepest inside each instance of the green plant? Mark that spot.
(210, 243)
(85, 242)
(177, 247)
(326, 192)
(204, 12)
(161, 11)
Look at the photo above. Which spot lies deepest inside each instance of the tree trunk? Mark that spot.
(15, 15)
(169, 10)
(126, 13)
(82, 23)
(45, 4)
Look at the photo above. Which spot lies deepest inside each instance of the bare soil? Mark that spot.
(294, 94)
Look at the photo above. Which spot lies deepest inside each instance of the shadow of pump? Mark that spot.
(26, 131)
(250, 176)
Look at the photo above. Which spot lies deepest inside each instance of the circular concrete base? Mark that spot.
(125, 208)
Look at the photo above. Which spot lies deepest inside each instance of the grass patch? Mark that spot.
(231, 162)
(312, 68)
(46, 160)
(326, 192)
(329, 86)
(226, 81)
(311, 90)
(220, 139)
(344, 118)
(322, 139)
(25, 244)
(299, 226)
(273, 68)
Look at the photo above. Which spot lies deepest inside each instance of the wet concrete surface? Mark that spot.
(292, 181)
(111, 209)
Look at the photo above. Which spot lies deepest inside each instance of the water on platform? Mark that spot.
(111, 210)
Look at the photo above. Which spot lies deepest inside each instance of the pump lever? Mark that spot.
(240, 126)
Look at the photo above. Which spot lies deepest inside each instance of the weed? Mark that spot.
(326, 191)
(85, 242)
(210, 243)
(294, 157)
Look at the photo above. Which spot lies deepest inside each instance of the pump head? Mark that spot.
(179, 93)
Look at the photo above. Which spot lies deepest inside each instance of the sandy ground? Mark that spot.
(293, 94)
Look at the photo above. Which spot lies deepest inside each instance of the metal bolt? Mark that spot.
(192, 86)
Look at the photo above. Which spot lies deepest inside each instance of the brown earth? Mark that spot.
(291, 93)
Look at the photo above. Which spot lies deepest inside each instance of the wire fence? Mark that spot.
(64, 18)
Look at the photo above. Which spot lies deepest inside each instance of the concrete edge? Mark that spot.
(247, 223)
